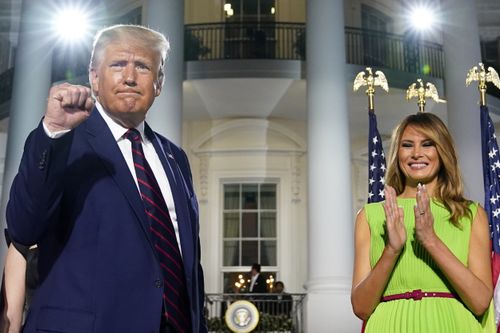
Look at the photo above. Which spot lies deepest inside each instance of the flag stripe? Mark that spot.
(491, 173)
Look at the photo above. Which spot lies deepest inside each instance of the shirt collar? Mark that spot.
(116, 129)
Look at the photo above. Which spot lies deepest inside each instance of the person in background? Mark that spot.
(282, 300)
(13, 291)
(20, 280)
(109, 202)
(257, 281)
(279, 287)
(422, 257)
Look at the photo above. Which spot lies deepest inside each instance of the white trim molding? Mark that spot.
(296, 143)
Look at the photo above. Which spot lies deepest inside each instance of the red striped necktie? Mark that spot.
(164, 238)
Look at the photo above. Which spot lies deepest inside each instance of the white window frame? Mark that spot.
(245, 269)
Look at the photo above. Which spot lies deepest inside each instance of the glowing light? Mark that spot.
(228, 9)
(71, 24)
(273, 10)
(422, 17)
(426, 69)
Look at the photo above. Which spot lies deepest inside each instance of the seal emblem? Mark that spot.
(242, 317)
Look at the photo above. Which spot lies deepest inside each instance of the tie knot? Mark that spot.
(133, 135)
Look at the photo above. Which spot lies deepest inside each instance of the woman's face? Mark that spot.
(418, 157)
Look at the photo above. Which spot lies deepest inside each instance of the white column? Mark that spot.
(461, 52)
(32, 78)
(165, 115)
(330, 221)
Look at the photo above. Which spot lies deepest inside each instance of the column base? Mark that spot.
(330, 311)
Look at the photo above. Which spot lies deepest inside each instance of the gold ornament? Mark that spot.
(422, 92)
(366, 78)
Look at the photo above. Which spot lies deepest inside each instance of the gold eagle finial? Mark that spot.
(422, 92)
(482, 76)
(366, 78)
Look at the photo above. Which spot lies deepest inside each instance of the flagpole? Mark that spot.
(491, 171)
(422, 92)
(370, 91)
(376, 156)
(482, 91)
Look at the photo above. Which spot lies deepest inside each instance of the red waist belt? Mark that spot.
(417, 295)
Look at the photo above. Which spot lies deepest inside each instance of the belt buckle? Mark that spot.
(417, 294)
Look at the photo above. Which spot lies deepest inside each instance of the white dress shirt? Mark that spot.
(252, 281)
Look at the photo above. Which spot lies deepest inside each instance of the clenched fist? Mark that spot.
(67, 107)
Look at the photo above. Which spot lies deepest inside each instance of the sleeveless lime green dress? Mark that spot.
(415, 269)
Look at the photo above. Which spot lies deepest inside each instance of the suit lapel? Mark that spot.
(180, 198)
(103, 143)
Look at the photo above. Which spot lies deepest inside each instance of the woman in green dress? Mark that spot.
(422, 257)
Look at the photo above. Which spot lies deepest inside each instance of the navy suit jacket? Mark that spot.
(76, 198)
(259, 286)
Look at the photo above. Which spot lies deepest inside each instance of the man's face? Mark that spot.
(125, 81)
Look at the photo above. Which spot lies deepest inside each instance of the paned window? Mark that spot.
(249, 224)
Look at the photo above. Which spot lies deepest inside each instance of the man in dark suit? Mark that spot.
(282, 301)
(109, 202)
(257, 281)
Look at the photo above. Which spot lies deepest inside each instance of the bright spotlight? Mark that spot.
(422, 18)
(71, 24)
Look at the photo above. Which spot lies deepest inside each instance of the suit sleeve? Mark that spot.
(38, 186)
(201, 293)
(201, 280)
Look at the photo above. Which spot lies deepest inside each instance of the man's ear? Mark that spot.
(94, 81)
(157, 90)
(159, 83)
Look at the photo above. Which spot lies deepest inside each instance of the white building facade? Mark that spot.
(276, 138)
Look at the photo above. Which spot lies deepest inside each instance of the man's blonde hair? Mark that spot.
(134, 35)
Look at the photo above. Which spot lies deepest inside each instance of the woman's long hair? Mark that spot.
(449, 188)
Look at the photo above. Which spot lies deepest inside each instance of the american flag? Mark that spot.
(376, 162)
(491, 174)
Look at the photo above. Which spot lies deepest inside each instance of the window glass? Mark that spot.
(268, 224)
(231, 196)
(231, 225)
(268, 196)
(268, 253)
(231, 253)
(249, 224)
(239, 282)
(249, 196)
(250, 10)
(249, 253)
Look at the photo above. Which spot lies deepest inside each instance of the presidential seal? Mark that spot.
(242, 317)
